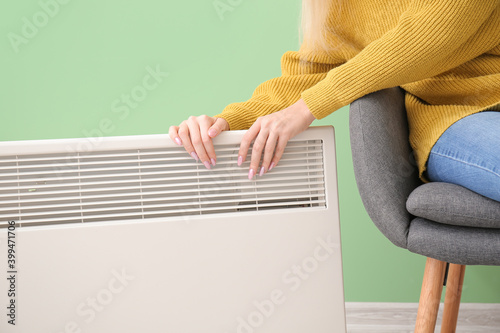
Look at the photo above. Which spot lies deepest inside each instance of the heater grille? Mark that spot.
(97, 186)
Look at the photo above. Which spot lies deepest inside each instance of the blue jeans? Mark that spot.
(468, 154)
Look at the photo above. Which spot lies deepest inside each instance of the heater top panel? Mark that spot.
(62, 181)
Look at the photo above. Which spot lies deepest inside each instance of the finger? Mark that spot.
(174, 136)
(184, 135)
(196, 140)
(247, 140)
(280, 148)
(272, 139)
(258, 147)
(218, 126)
(205, 123)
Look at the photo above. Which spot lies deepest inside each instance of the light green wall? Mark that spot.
(64, 80)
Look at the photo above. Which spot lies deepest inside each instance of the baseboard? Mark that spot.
(400, 317)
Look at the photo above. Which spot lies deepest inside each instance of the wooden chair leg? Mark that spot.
(454, 285)
(430, 296)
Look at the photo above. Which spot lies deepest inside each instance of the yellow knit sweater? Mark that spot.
(444, 53)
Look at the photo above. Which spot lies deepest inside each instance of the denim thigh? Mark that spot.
(468, 154)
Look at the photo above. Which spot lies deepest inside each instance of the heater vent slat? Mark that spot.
(144, 183)
(188, 172)
(99, 165)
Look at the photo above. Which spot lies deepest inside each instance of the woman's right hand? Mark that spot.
(196, 134)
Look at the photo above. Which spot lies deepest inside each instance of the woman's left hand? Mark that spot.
(273, 132)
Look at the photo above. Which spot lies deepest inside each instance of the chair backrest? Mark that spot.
(384, 166)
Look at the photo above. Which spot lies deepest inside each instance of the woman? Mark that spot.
(444, 53)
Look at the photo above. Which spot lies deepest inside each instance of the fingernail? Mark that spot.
(271, 166)
(261, 171)
(240, 160)
(212, 132)
(251, 173)
(178, 141)
(206, 164)
(193, 154)
(213, 161)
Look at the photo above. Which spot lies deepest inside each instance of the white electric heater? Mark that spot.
(130, 234)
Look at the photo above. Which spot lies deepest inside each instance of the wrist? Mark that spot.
(304, 110)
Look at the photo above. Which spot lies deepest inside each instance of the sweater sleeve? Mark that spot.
(431, 37)
(278, 93)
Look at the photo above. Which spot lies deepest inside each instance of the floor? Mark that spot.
(400, 318)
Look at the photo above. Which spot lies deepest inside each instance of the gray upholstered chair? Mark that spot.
(448, 224)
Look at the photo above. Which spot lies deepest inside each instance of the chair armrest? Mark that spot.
(384, 167)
